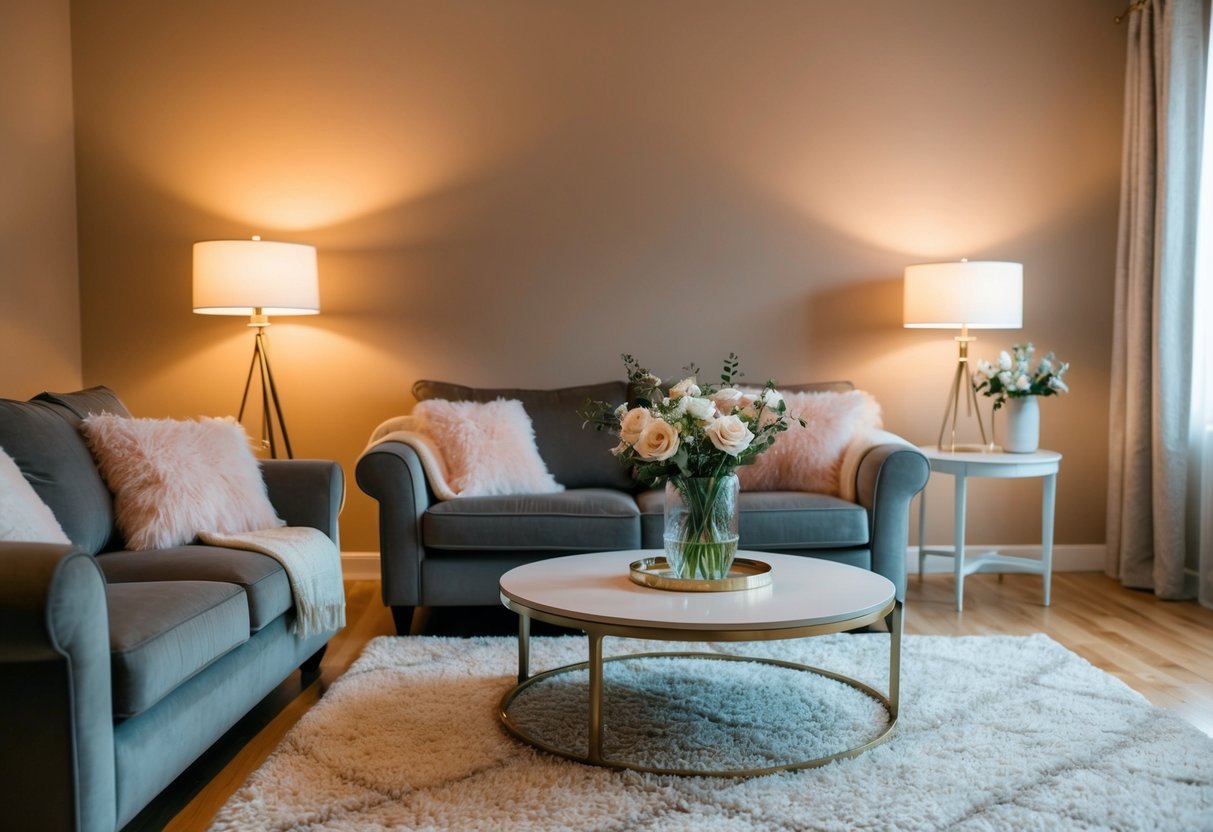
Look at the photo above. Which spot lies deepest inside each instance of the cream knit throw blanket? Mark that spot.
(312, 564)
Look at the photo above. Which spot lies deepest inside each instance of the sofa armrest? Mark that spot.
(392, 473)
(56, 712)
(306, 492)
(890, 475)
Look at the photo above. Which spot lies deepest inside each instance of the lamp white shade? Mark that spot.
(247, 277)
(980, 294)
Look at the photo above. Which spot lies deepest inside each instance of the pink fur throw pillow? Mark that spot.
(172, 480)
(808, 458)
(23, 515)
(488, 448)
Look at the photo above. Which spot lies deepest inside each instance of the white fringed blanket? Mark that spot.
(312, 564)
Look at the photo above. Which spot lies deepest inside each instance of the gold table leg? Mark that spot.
(595, 667)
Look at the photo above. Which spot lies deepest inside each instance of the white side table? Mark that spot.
(965, 464)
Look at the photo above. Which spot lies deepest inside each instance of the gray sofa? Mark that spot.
(118, 668)
(453, 552)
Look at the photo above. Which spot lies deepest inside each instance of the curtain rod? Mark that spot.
(1133, 7)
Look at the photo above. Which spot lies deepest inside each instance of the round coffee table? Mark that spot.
(594, 593)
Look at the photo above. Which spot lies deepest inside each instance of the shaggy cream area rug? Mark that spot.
(995, 732)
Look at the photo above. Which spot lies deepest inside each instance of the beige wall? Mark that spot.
(39, 294)
(514, 193)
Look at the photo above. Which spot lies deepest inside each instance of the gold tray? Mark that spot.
(743, 574)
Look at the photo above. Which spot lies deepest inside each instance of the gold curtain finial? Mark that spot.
(1133, 7)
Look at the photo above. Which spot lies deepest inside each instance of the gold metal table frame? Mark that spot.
(596, 631)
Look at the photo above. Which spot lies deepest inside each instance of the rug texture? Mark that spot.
(995, 732)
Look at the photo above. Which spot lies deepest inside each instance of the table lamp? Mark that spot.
(970, 294)
(257, 278)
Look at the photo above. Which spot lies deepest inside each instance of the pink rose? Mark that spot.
(730, 434)
(658, 441)
(727, 400)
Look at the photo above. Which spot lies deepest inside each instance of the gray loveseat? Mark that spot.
(118, 668)
(453, 552)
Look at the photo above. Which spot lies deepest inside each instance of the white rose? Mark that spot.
(730, 434)
(1004, 361)
(727, 399)
(1005, 379)
(633, 423)
(686, 387)
(1023, 383)
(702, 409)
(658, 441)
(771, 397)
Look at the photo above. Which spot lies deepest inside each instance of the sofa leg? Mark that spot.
(403, 618)
(311, 665)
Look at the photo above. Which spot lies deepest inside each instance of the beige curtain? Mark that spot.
(1150, 464)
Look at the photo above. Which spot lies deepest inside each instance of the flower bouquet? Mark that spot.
(691, 438)
(1013, 376)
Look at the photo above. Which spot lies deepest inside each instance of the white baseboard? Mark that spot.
(1068, 558)
(364, 566)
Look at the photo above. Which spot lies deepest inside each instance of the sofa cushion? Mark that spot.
(43, 439)
(265, 584)
(578, 520)
(84, 402)
(774, 520)
(809, 457)
(163, 632)
(487, 448)
(174, 479)
(577, 457)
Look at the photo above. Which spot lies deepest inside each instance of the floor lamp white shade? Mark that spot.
(964, 295)
(257, 278)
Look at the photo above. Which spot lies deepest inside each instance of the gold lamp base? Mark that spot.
(951, 412)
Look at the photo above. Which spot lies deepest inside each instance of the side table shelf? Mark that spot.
(999, 465)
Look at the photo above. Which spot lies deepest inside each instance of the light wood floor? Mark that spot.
(1163, 649)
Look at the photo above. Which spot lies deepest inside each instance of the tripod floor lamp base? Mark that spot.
(271, 408)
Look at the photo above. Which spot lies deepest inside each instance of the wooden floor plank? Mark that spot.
(1162, 649)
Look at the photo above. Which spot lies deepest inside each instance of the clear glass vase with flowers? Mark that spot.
(690, 437)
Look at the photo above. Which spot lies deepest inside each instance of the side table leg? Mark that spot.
(959, 546)
(524, 647)
(895, 620)
(1046, 524)
(595, 738)
(922, 525)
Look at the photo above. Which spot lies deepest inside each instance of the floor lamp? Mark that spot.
(257, 278)
(978, 294)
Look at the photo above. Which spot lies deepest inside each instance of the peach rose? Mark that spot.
(686, 387)
(727, 400)
(632, 423)
(730, 434)
(658, 441)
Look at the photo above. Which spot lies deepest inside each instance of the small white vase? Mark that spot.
(1022, 425)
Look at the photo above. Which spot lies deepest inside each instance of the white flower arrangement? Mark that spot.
(1014, 377)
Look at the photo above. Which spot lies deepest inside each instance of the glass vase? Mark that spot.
(701, 526)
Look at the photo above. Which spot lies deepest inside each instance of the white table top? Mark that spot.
(996, 463)
(803, 592)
